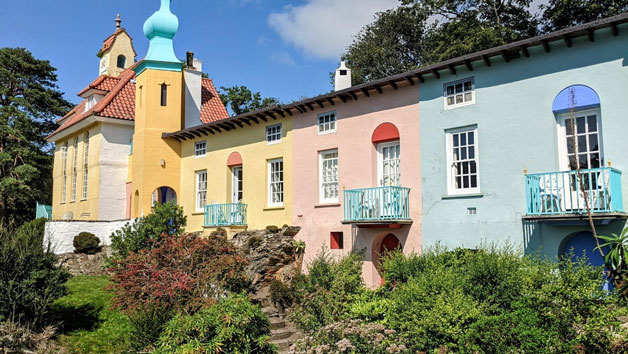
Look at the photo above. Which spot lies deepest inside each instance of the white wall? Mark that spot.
(114, 161)
(193, 97)
(61, 233)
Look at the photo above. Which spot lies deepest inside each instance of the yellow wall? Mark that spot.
(82, 209)
(149, 149)
(250, 142)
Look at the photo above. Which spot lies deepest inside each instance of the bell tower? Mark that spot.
(117, 52)
(159, 108)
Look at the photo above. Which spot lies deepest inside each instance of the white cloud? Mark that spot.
(324, 28)
(283, 58)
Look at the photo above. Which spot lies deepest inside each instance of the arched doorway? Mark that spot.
(164, 195)
(381, 246)
(389, 243)
(583, 243)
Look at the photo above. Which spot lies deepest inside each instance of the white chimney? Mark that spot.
(192, 74)
(342, 79)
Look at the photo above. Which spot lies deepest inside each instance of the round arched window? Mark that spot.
(121, 61)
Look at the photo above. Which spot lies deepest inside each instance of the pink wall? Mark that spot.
(357, 165)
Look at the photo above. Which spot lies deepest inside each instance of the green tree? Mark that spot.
(559, 14)
(241, 100)
(422, 32)
(394, 43)
(29, 103)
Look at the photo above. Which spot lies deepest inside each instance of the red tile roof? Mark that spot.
(119, 101)
(107, 43)
(212, 108)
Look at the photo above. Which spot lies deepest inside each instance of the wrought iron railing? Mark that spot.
(567, 192)
(230, 214)
(376, 204)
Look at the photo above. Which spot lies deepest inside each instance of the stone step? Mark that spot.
(270, 311)
(283, 344)
(283, 333)
(277, 323)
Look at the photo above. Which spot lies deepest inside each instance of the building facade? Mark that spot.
(498, 149)
(512, 145)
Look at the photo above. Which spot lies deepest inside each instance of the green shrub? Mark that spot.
(147, 325)
(86, 242)
(233, 325)
(282, 295)
(29, 279)
(324, 294)
(351, 336)
(145, 232)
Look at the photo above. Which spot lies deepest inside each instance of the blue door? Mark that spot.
(584, 243)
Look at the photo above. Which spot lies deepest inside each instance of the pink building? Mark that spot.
(357, 173)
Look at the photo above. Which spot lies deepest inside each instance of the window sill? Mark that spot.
(198, 213)
(463, 196)
(273, 142)
(327, 205)
(278, 207)
(326, 132)
(199, 156)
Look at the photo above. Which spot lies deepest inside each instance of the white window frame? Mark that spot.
(201, 190)
(463, 93)
(321, 176)
(85, 165)
(235, 181)
(74, 169)
(280, 183)
(562, 136)
(380, 161)
(197, 149)
(270, 135)
(451, 186)
(333, 120)
(64, 164)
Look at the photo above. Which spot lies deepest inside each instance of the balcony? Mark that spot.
(567, 194)
(230, 214)
(376, 206)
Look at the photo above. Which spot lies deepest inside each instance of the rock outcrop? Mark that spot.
(85, 264)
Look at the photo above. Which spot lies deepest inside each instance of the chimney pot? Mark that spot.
(190, 59)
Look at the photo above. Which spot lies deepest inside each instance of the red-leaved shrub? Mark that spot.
(183, 274)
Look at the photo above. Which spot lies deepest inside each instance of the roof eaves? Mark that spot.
(466, 60)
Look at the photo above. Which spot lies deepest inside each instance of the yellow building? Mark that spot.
(239, 177)
(92, 141)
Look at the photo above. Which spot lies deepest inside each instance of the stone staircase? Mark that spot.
(283, 333)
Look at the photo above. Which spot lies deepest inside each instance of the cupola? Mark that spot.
(160, 29)
(117, 52)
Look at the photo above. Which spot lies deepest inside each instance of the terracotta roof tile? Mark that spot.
(119, 101)
(107, 43)
(212, 108)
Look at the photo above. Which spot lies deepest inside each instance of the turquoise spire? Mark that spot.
(160, 29)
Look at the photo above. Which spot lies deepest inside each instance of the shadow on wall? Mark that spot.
(549, 240)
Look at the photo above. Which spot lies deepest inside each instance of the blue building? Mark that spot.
(498, 149)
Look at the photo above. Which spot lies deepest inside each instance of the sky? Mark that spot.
(282, 48)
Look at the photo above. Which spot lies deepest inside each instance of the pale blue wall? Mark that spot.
(516, 131)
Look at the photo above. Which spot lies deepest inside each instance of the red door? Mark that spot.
(389, 243)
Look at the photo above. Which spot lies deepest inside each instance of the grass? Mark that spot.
(88, 325)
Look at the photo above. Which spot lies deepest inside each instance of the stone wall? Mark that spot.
(61, 233)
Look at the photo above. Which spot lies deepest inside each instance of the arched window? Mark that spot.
(578, 114)
(121, 61)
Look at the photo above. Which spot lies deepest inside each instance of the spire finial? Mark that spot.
(118, 21)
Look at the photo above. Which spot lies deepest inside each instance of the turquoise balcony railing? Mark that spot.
(379, 204)
(43, 211)
(230, 214)
(567, 192)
